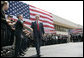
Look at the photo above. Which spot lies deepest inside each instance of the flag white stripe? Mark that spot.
(40, 14)
(44, 19)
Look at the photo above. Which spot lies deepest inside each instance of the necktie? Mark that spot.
(37, 25)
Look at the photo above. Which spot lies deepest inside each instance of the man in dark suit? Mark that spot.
(38, 31)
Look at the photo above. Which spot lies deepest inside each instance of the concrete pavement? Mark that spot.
(58, 50)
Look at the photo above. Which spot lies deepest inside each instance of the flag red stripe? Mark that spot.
(27, 23)
(39, 12)
(48, 26)
(41, 16)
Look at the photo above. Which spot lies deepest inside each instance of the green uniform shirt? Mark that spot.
(21, 21)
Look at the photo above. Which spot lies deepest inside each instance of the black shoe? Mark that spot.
(22, 54)
(38, 55)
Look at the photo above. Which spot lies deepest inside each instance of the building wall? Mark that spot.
(63, 22)
(62, 26)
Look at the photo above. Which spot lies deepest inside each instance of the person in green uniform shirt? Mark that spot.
(18, 32)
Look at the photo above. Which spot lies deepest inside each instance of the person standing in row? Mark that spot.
(9, 29)
(4, 7)
(18, 33)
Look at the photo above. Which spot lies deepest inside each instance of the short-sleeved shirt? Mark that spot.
(19, 25)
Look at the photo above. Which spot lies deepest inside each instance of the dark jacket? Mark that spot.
(3, 19)
(35, 31)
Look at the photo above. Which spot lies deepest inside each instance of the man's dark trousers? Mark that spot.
(37, 34)
(18, 42)
(38, 43)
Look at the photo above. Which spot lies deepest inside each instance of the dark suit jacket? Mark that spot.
(3, 19)
(35, 31)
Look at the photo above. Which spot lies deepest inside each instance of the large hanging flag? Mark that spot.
(29, 12)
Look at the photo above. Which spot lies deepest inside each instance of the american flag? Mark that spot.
(29, 12)
(77, 30)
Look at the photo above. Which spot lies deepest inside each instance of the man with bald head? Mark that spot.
(18, 34)
(38, 31)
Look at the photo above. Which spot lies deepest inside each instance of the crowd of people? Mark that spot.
(13, 33)
(50, 39)
(76, 37)
(16, 37)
